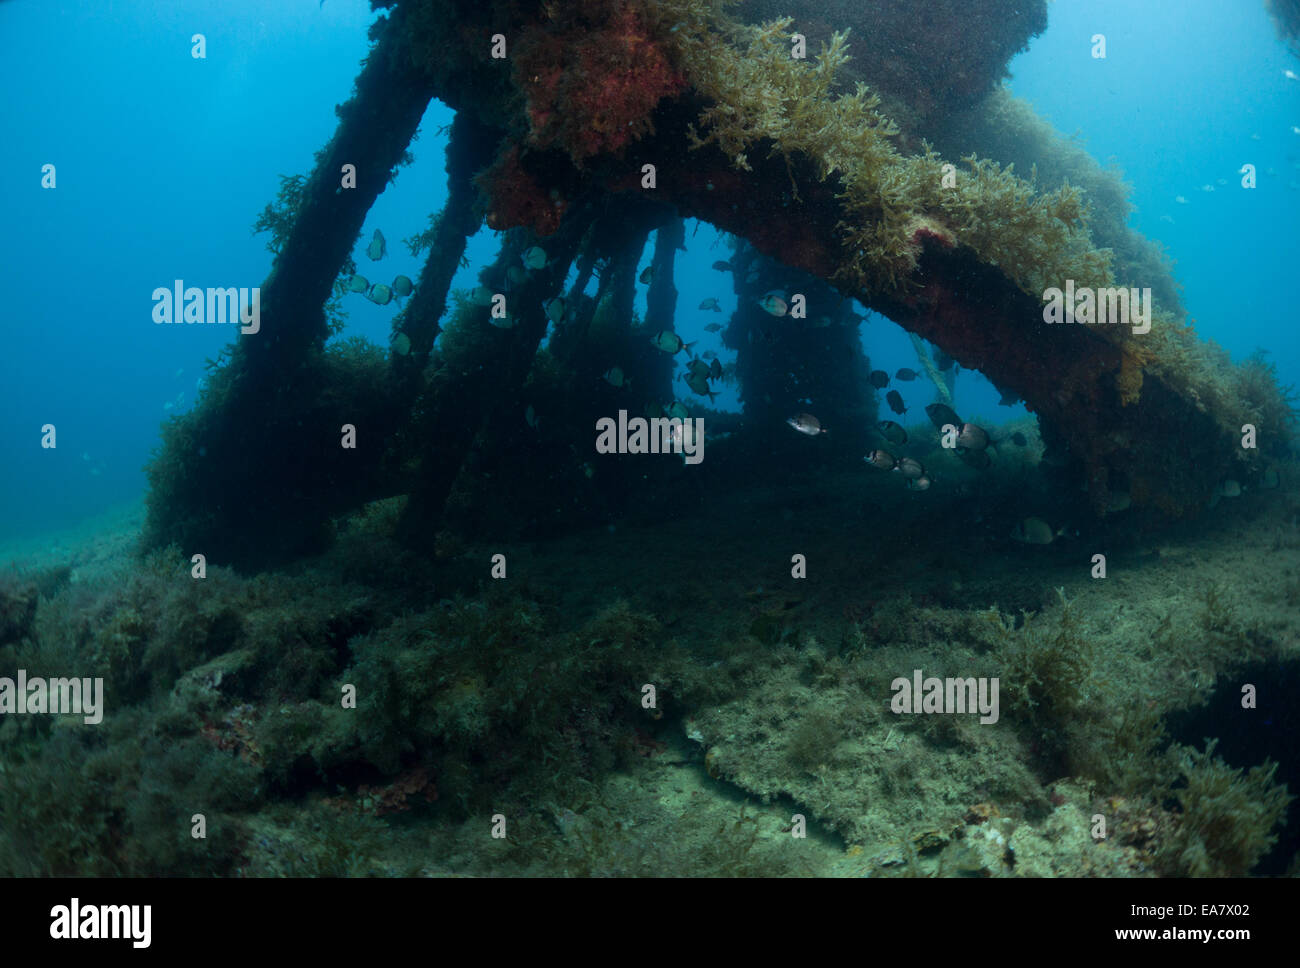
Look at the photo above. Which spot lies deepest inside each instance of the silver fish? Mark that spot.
(699, 383)
(910, 468)
(806, 423)
(1034, 531)
(669, 342)
(972, 437)
(773, 304)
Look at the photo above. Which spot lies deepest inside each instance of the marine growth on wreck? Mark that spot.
(638, 548)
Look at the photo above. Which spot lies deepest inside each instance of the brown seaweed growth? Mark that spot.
(1006, 129)
(1046, 671)
(1228, 817)
(891, 202)
(927, 60)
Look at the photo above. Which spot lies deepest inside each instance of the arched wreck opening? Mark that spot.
(577, 164)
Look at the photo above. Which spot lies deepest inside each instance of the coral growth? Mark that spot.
(515, 197)
(592, 77)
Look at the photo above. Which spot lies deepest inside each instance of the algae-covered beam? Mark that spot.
(375, 129)
(254, 472)
(661, 297)
(1154, 438)
(479, 369)
(469, 149)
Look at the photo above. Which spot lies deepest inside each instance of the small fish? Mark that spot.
(713, 328)
(377, 248)
(677, 409)
(971, 437)
(715, 370)
(669, 342)
(555, 309)
(941, 415)
(895, 401)
(806, 423)
(1229, 488)
(647, 275)
(699, 383)
(615, 378)
(882, 459)
(530, 416)
(358, 284)
(879, 379)
(85, 455)
(722, 266)
(1207, 187)
(534, 257)
(773, 304)
(401, 344)
(711, 303)
(403, 286)
(906, 375)
(481, 296)
(1291, 75)
(921, 483)
(910, 468)
(1119, 501)
(1181, 200)
(892, 432)
(587, 470)
(1034, 531)
(1223, 181)
(380, 294)
(698, 366)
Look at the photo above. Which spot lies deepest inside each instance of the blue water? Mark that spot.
(164, 161)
